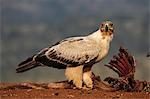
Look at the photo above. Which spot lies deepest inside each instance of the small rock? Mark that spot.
(29, 90)
(70, 96)
(56, 94)
(147, 93)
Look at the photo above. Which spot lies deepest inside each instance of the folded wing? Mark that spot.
(70, 52)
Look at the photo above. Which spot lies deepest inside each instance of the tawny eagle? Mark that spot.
(76, 54)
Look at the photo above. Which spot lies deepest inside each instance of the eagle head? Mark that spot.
(107, 28)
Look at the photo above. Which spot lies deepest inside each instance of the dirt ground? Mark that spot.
(67, 93)
(123, 64)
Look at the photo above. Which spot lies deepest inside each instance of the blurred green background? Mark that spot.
(27, 26)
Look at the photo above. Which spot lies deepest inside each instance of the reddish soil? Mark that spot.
(67, 93)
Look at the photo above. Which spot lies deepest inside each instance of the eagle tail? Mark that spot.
(26, 65)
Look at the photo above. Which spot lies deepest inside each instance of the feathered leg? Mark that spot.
(87, 77)
(75, 74)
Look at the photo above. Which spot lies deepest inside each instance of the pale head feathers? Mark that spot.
(107, 28)
(105, 32)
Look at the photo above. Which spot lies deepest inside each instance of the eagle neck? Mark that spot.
(100, 40)
(96, 36)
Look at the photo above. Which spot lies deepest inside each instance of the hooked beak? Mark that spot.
(106, 28)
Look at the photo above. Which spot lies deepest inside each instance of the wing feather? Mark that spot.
(73, 51)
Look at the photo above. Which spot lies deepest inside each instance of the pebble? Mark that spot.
(56, 94)
(147, 93)
(121, 94)
(71, 96)
(29, 90)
